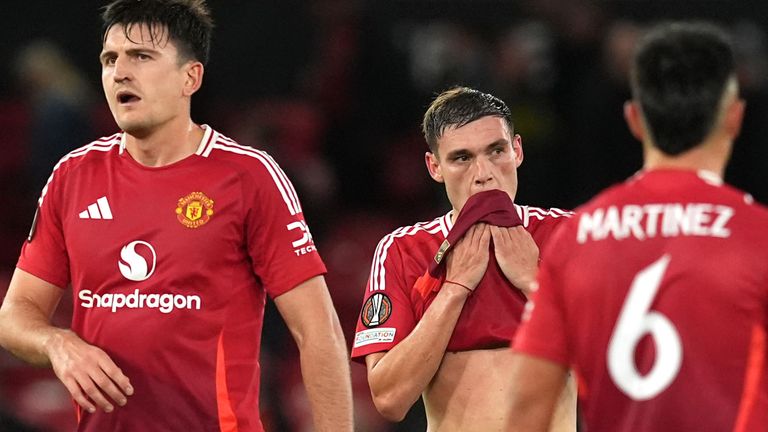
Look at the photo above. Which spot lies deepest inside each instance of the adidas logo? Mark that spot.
(98, 210)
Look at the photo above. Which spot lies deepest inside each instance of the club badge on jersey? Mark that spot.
(194, 210)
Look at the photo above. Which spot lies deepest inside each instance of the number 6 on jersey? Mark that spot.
(635, 321)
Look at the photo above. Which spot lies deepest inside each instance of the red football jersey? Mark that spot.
(392, 307)
(169, 268)
(656, 293)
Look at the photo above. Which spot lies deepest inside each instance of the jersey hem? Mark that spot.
(42, 274)
(294, 282)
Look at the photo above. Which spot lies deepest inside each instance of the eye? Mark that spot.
(461, 158)
(143, 57)
(109, 61)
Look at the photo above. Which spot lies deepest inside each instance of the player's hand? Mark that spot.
(468, 259)
(92, 378)
(517, 255)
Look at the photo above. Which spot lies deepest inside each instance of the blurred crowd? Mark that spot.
(335, 91)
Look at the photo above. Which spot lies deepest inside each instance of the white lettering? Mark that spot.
(612, 224)
(652, 211)
(85, 297)
(655, 220)
(118, 302)
(374, 335)
(304, 250)
(165, 303)
(724, 214)
(630, 217)
(106, 300)
(588, 223)
(306, 236)
(673, 222)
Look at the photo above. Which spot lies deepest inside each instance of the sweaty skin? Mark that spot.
(469, 393)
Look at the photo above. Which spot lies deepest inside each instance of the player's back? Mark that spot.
(665, 303)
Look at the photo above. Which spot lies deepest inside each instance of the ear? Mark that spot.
(634, 119)
(193, 77)
(517, 147)
(734, 115)
(433, 166)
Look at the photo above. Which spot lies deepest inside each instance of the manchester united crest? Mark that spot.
(194, 210)
(376, 310)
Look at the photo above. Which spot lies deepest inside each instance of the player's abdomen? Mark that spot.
(470, 393)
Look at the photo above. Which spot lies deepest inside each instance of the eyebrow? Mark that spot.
(130, 52)
(465, 152)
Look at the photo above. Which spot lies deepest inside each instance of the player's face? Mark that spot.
(478, 156)
(144, 82)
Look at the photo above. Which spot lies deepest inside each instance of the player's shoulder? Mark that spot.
(219, 147)
(752, 213)
(533, 216)
(606, 197)
(96, 149)
(420, 232)
(93, 152)
(744, 200)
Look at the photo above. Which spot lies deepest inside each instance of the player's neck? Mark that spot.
(708, 156)
(168, 144)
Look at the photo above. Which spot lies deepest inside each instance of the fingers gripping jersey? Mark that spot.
(392, 307)
(169, 268)
(657, 295)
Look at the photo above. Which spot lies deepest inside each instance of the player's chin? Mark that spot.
(132, 126)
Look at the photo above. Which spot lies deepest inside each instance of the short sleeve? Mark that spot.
(44, 253)
(387, 315)
(280, 244)
(543, 330)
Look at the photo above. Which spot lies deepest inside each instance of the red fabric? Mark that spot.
(490, 315)
(700, 249)
(492, 207)
(204, 274)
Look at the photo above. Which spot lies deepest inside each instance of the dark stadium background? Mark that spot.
(335, 90)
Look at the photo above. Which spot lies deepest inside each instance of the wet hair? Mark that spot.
(457, 107)
(679, 76)
(188, 23)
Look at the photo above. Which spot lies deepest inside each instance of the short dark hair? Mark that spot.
(679, 75)
(188, 23)
(457, 107)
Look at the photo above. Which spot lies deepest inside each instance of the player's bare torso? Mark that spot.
(469, 393)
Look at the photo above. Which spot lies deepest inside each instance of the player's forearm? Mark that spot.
(25, 331)
(325, 369)
(403, 373)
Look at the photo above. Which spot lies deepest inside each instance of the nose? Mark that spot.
(483, 171)
(121, 69)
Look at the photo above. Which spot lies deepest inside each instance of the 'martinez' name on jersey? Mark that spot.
(655, 220)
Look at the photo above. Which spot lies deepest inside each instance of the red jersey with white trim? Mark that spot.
(392, 307)
(170, 268)
(656, 293)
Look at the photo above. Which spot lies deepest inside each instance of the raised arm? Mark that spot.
(399, 376)
(308, 311)
(91, 377)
